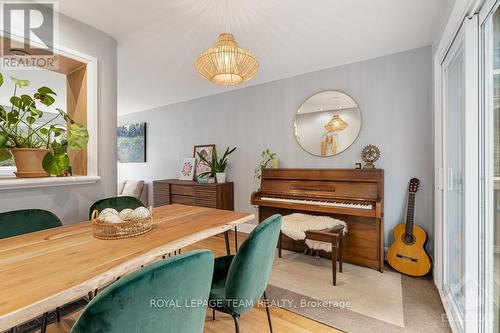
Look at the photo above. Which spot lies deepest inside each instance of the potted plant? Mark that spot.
(217, 166)
(269, 160)
(39, 147)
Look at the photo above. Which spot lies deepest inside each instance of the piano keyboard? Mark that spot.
(321, 203)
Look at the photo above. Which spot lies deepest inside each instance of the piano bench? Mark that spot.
(332, 236)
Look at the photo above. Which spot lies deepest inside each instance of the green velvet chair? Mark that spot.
(162, 297)
(20, 222)
(117, 203)
(239, 281)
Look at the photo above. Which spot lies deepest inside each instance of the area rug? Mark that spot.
(364, 299)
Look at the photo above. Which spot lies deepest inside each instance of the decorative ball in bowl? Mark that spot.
(111, 224)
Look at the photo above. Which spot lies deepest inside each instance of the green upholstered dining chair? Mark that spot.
(168, 296)
(24, 221)
(20, 222)
(117, 203)
(239, 281)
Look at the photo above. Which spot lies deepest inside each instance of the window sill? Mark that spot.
(13, 183)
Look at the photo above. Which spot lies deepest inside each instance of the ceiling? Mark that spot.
(158, 40)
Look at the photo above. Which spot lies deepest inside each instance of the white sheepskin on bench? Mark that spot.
(295, 225)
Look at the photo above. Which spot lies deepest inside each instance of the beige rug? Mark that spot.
(364, 300)
(368, 291)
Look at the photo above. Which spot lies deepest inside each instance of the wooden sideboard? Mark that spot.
(170, 191)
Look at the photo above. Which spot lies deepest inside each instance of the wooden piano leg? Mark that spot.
(334, 260)
(341, 250)
(279, 245)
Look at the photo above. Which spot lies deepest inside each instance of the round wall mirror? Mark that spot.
(327, 123)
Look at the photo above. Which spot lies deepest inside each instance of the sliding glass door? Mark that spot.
(453, 166)
(457, 222)
(491, 168)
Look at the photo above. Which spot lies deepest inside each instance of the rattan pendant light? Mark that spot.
(226, 63)
(336, 124)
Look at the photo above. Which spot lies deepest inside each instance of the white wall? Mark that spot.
(393, 94)
(71, 203)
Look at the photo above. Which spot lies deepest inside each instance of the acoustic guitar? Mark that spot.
(407, 254)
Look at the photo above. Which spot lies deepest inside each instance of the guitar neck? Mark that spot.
(410, 214)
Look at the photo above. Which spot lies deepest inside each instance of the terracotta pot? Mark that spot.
(29, 162)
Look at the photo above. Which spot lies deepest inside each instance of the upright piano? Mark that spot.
(354, 196)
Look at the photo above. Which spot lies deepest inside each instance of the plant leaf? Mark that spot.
(55, 164)
(16, 101)
(78, 136)
(3, 113)
(204, 174)
(13, 116)
(3, 138)
(20, 83)
(203, 159)
(65, 116)
(35, 111)
(46, 91)
(4, 154)
(30, 120)
(1, 79)
(45, 99)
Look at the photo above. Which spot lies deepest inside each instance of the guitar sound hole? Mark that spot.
(408, 239)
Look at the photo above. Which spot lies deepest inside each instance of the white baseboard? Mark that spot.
(246, 227)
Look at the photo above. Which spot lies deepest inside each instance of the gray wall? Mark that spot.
(71, 203)
(393, 93)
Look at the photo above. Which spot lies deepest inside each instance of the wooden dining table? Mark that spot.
(44, 270)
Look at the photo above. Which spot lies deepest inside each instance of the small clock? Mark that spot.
(370, 154)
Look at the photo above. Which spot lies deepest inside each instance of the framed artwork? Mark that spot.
(131, 143)
(205, 151)
(187, 169)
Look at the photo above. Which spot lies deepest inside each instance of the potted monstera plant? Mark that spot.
(38, 143)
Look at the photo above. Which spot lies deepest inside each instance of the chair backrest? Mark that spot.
(251, 267)
(162, 297)
(19, 222)
(117, 203)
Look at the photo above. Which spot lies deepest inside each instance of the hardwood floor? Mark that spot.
(254, 321)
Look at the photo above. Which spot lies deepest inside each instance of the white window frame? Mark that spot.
(487, 171)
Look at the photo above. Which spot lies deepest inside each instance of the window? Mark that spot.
(77, 95)
(56, 81)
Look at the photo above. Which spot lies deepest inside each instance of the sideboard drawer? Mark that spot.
(210, 202)
(182, 189)
(182, 199)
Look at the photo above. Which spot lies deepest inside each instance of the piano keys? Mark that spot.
(355, 196)
(322, 203)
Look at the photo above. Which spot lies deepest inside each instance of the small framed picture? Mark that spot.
(187, 168)
(205, 151)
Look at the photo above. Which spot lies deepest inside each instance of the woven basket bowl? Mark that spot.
(126, 229)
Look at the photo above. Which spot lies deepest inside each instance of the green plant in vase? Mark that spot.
(217, 165)
(39, 146)
(269, 160)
